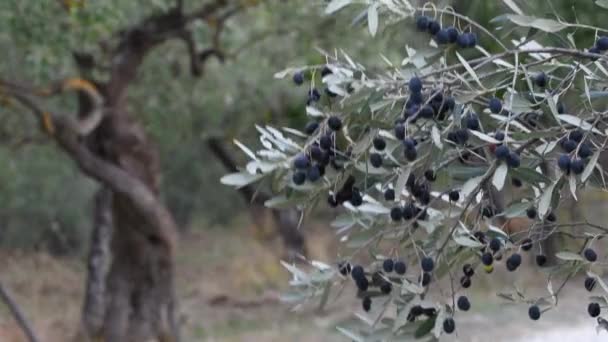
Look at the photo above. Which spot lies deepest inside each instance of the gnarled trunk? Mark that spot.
(139, 301)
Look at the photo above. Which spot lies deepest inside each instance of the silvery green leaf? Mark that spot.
(403, 7)
(551, 292)
(435, 215)
(372, 19)
(590, 166)
(502, 118)
(599, 280)
(498, 231)
(365, 319)
(336, 5)
(546, 148)
(278, 140)
(469, 69)
(545, 199)
(530, 176)
(470, 186)
(298, 275)
(428, 226)
(402, 315)
(401, 181)
(513, 6)
(240, 179)
(466, 241)
(572, 183)
(373, 208)
(294, 132)
(312, 111)
(320, 265)
(350, 334)
(602, 3)
(364, 143)
(515, 210)
(569, 256)
(438, 327)
(436, 136)
(336, 89)
(257, 165)
(484, 137)
(516, 103)
(285, 72)
(579, 122)
(408, 287)
(552, 106)
(500, 175)
(280, 201)
(547, 25)
(245, 149)
(359, 18)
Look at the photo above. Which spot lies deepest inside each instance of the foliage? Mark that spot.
(179, 111)
(431, 160)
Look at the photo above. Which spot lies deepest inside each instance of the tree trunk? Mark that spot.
(140, 299)
(98, 264)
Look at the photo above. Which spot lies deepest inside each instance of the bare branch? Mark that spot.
(18, 315)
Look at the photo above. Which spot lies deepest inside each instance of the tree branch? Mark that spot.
(18, 315)
(66, 134)
(552, 50)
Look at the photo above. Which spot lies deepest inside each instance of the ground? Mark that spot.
(229, 285)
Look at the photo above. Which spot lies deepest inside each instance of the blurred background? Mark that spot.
(229, 277)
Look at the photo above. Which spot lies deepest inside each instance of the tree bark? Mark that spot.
(98, 264)
(140, 300)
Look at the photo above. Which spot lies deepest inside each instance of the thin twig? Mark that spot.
(550, 50)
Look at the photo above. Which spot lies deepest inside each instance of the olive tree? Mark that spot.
(450, 162)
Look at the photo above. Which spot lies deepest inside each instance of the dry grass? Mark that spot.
(228, 287)
(49, 290)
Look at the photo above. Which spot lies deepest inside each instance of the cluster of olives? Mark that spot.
(383, 278)
(375, 158)
(593, 309)
(348, 192)
(449, 35)
(313, 94)
(310, 166)
(431, 104)
(427, 104)
(573, 145)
